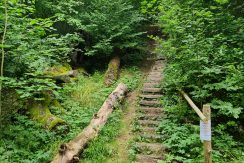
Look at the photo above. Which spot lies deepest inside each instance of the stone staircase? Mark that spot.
(149, 114)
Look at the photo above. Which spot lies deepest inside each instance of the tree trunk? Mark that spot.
(39, 111)
(112, 73)
(70, 151)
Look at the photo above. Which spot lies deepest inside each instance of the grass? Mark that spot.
(103, 147)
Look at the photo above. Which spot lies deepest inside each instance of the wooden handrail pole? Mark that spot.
(207, 143)
(194, 107)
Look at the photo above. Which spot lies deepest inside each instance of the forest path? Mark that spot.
(148, 117)
(143, 112)
(126, 135)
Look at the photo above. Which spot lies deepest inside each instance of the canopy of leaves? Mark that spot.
(107, 26)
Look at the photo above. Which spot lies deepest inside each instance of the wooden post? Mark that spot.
(207, 144)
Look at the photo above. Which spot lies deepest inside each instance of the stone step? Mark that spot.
(148, 130)
(157, 68)
(151, 85)
(148, 158)
(161, 58)
(155, 73)
(159, 64)
(153, 116)
(149, 103)
(150, 148)
(151, 77)
(151, 110)
(154, 79)
(149, 123)
(151, 90)
(151, 138)
(151, 97)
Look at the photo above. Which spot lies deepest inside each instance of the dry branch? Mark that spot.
(70, 152)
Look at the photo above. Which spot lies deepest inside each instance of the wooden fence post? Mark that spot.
(207, 143)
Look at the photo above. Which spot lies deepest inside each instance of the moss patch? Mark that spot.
(58, 70)
(39, 111)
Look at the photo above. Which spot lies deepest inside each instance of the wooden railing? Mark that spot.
(205, 126)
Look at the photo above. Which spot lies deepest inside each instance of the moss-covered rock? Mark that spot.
(64, 73)
(39, 111)
(59, 73)
(58, 70)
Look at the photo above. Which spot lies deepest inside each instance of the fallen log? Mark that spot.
(70, 151)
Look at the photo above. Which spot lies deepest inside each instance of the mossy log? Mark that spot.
(112, 74)
(39, 111)
(69, 152)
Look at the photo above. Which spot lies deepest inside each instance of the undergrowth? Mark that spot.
(180, 131)
(25, 141)
(204, 53)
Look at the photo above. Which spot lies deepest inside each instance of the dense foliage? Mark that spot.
(204, 52)
(41, 35)
(107, 26)
(151, 9)
(30, 49)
